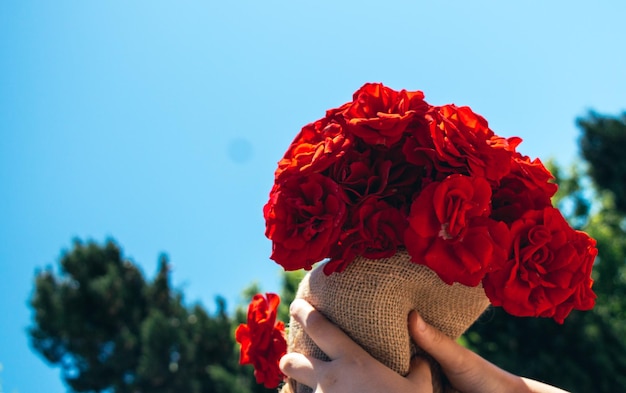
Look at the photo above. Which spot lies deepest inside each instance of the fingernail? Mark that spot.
(420, 323)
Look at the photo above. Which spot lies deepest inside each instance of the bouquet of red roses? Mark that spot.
(388, 175)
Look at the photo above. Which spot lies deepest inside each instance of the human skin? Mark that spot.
(351, 369)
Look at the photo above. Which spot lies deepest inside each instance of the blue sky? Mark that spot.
(159, 123)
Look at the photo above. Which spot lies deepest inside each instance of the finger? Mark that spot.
(442, 348)
(331, 339)
(420, 375)
(300, 367)
(466, 370)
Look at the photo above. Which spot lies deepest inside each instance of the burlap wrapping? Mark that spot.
(371, 301)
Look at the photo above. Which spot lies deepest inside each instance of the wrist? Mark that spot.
(532, 386)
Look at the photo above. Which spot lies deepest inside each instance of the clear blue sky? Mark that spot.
(159, 123)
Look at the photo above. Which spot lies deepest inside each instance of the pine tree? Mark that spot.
(111, 330)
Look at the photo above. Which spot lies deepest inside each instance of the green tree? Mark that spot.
(289, 287)
(111, 330)
(588, 352)
(602, 146)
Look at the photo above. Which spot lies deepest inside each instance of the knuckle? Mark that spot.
(436, 337)
(313, 319)
(358, 361)
(457, 362)
(329, 378)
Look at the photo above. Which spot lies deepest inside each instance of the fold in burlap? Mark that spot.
(371, 301)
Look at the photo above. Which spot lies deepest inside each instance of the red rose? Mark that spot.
(460, 141)
(526, 187)
(380, 115)
(419, 151)
(314, 149)
(547, 273)
(384, 173)
(374, 231)
(405, 182)
(583, 297)
(361, 175)
(304, 218)
(262, 340)
(450, 233)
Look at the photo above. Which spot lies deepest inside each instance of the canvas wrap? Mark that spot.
(371, 301)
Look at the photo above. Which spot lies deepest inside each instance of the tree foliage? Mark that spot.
(111, 330)
(602, 146)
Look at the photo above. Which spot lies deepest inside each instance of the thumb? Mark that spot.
(465, 370)
(442, 348)
(420, 375)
